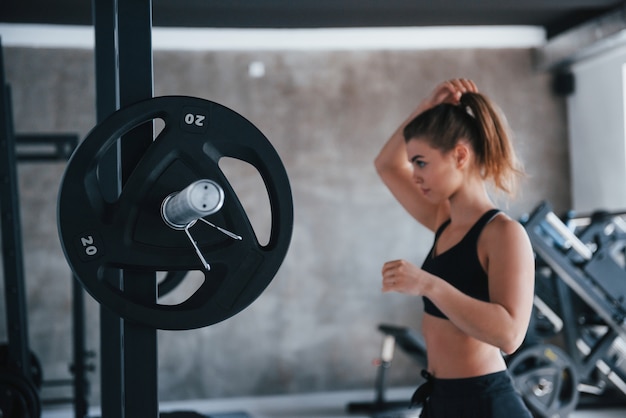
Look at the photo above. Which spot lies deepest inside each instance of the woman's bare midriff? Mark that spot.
(453, 354)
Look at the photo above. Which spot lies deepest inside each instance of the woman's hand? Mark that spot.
(449, 91)
(403, 277)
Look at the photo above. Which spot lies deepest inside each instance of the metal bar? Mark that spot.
(57, 401)
(571, 332)
(569, 238)
(18, 359)
(45, 147)
(597, 352)
(107, 101)
(580, 284)
(135, 84)
(587, 216)
(546, 311)
(79, 366)
(57, 382)
(386, 357)
(613, 373)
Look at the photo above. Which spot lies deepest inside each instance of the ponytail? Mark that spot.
(497, 157)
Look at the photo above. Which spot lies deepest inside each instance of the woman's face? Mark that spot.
(436, 173)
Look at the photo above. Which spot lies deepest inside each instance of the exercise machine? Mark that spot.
(580, 301)
(411, 344)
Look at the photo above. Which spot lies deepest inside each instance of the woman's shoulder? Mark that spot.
(503, 230)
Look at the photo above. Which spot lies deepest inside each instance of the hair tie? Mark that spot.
(467, 108)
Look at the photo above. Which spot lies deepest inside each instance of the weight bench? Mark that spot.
(413, 345)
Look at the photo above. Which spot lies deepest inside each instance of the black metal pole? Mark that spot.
(79, 366)
(136, 84)
(124, 76)
(107, 102)
(12, 251)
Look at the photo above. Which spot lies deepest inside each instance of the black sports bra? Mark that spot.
(460, 265)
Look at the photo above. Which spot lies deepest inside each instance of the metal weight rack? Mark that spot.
(580, 295)
(21, 375)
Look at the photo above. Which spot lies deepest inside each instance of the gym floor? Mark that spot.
(319, 405)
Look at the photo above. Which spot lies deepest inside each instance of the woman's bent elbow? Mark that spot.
(379, 164)
(512, 343)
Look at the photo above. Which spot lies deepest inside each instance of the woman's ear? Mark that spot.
(461, 154)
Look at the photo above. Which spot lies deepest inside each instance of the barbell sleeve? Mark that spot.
(201, 198)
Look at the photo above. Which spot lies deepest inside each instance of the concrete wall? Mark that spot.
(327, 114)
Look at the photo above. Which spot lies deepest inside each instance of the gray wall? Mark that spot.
(327, 114)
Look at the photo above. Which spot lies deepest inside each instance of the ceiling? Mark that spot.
(554, 15)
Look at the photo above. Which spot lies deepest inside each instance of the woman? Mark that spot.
(477, 282)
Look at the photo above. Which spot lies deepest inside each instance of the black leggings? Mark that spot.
(488, 396)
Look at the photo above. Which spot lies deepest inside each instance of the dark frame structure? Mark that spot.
(123, 57)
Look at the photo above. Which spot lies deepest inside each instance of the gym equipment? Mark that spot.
(148, 227)
(18, 397)
(21, 374)
(170, 282)
(34, 365)
(18, 394)
(547, 380)
(413, 345)
(132, 205)
(580, 296)
(45, 147)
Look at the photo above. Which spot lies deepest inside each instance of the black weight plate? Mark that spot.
(170, 282)
(547, 379)
(36, 372)
(129, 234)
(18, 397)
